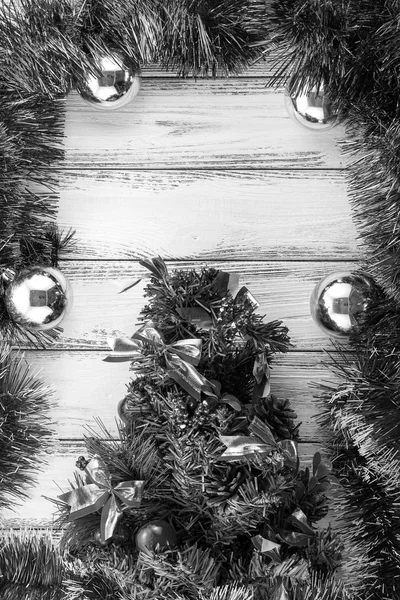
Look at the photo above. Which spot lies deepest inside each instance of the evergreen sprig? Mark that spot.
(184, 483)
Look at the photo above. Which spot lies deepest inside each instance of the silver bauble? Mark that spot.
(117, 85)
(311, 108)
(156, 535)
(339, 301)
(38, 297)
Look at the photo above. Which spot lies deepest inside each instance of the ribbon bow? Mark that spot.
(181, 357)
(261, 443)
(100, 494)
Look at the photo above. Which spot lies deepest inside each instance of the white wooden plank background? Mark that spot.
(207, 172)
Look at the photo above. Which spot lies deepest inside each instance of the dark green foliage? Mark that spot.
(24, 425)
(132, 28)
(215, 507)
(202, 37)
(362, 419)
(374, 181)
(41, 53)
(31, 568)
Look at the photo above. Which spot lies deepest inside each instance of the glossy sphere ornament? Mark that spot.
(116, 85)
(38, 297)
(156, 535)
(338, 302)
(311, 108)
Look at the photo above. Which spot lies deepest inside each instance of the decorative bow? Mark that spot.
(100, 494)
(261, 373)
(223, 283)
(180, 357)
(261, 443)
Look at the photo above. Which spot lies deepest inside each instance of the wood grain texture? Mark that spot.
(85, 387)
(236, 123)
(99, 311)
(258, 215)
(200, 172)
(264, 66)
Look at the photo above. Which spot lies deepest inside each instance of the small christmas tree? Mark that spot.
(203, 495)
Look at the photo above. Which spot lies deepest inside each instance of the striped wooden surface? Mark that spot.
(207, 172)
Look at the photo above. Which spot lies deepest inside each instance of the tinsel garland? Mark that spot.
(350, 46)
(31, 129)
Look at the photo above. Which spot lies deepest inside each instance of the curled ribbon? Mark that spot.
(180, 357)
(261, 443)
(100, 494)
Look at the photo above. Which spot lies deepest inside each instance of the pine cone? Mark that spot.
(279, 416)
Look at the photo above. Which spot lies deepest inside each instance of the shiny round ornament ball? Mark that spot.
(38, 297)
(115, 86)
(156, 535)
(339, 301)
(311, 108)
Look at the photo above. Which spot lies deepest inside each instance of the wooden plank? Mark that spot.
(86, 388)
(204, 124)
(261, 67)
(38, 511)
(229, 215)
(98, 311)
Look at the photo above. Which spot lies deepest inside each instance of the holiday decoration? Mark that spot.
(179, 357)
(213, 306)
(339, 301)
(24, 426)
(99, 493)
(202, 38)
(115, 86)
(37, 297)
(156, 535)
(215, 450)
(310, 108)
(247, 526)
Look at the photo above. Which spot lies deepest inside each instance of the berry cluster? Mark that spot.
(191, 414)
